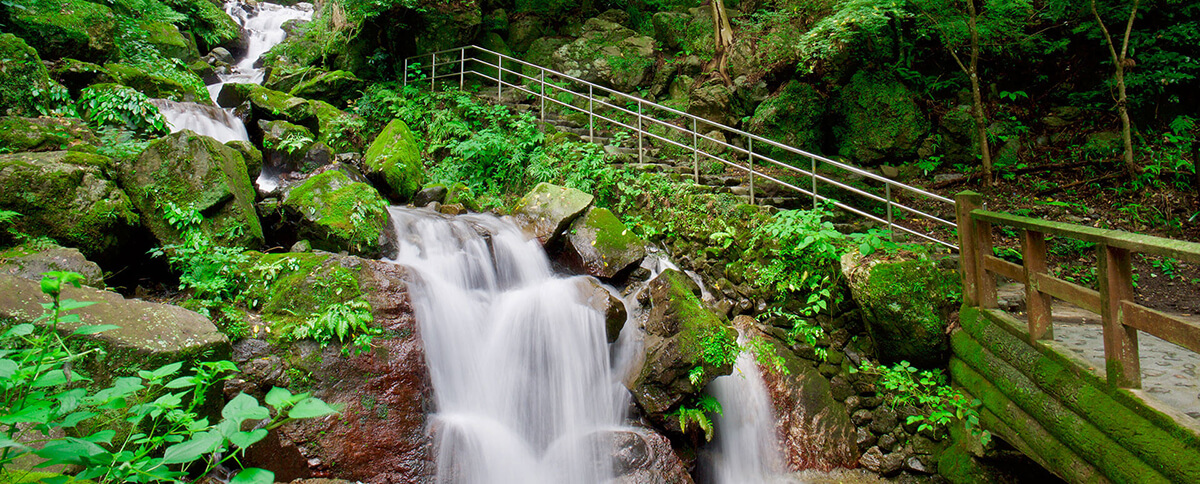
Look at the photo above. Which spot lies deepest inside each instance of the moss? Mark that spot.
(340, 214)
(21, 71)
(336, 87)
(167, 39)
(151, 85)
(907, 305)
(289, 287)
(881, 119)
(394, 158)
(703, 336)
(792, 116)
(43, 134)
(77, 28)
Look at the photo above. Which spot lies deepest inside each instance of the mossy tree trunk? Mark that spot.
(1120, 62)
(981, 121)
(722, 41)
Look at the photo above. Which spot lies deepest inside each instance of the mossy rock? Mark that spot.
(680, 336)
(791, 116)
(45, 134)
(250, 154)
(608, 53)
(268, 104)
(153, 85)
(461, 194)
(21, 71)
(598, 244)
(210, 24)
(289, 287)
(285, 77)
(31, 262)
(394, 161)
(337, 87)
(78, 29)
(547, 210)
(906, 304)
(189, 169)
(881, 119)
(65, 196)
(77, 74)
(170, 42)
(337, 214)
(286, 140)
(338, 129)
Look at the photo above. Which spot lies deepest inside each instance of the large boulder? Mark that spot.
(76, 75)
(156, 85)
(791, 116)
(446, 25)
(339, 130)
(394, 161)
(337, 214)
(188, 169)
(337, 87)
(606, 303)
(642, 456)
(385, 395)
(881, 119)
(598, 244)
(29, 262)
(149, 334)
(608, 53)
(547, 210)
(21, 71)
(169, 41)
(268, 104)
(711, 101)
(680, 335)
(906, 304)
(65, 196)
(285, 142)
(76, 28)
(45, 134)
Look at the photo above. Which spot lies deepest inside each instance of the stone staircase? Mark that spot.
(624, 153)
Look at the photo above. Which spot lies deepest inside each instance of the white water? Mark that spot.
(264, 27)
(747, 446)
(519, 363)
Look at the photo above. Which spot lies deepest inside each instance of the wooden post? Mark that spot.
(969, 261)
(1037, 303)
(1120, 342)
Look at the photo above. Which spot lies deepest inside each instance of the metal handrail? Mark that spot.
(458, 57)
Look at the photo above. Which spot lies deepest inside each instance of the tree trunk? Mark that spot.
(981, 121)
(1119, 61)
(722, 41)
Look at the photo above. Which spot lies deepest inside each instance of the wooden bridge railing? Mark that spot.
(1121, 316)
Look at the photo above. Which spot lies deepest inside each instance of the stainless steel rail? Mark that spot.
(452, 64)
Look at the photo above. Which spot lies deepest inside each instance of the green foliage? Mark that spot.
(698, 414)
(38, 399)
(7, 232)
(121, 107)
(766, 356)
(849, 23)
(206, 20)
(806, 253)
(340, 322)
(293, 143)
(936, 402)
(211, 272)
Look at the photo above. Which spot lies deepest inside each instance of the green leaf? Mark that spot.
(199, 445)
(311, 408)
(244, 407)
(254, 476)
(182, 382)
(71, 304)
(95, 328)
(69, 450)
(246, 439)
(280, 398)
(166, 370)
(18, 330)
(8, 368)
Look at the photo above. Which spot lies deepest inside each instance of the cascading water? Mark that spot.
(263, 24)
(519, 362)
(747, 447)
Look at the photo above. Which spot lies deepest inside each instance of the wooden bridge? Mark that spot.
(1083, 421)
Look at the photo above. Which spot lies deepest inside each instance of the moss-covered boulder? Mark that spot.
(288, 288)
(45, 134)
(268, 104)
(65, 196)
(21, 72)
(169, 41)
(598, 244)
(188, 169)
(681, 339)
(157, 86)
(394, 161)
(791, 116)
(608, 53)
(446, 25)
(76, 74)
(712, 101)
(285, 141)
(337, 214)
(341, 131)
(880, 119)
(149, 334)
(606, 303)
(76, 28)
(547, 210)
(30, 262)
(250, 154)
(337, 87)
(906, 304)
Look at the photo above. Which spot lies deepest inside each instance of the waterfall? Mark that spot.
(519, 363)
(264, 28)
(747, 446)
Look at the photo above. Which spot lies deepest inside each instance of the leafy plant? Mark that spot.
(40, 396)
(803, 329)
(122, 107)
(212, 272)
(340, 321)
(936, 402)
(698, 415)
(807, 250)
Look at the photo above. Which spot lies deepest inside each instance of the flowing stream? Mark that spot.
(747, 448)
(520, 365)
(263, 24)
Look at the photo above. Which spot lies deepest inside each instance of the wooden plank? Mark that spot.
(1189, 251)
(1037, 303)
(1073, 293)
(1004, 268)
(984, 282)
(1120, 341)
(964, 203)
(1162, 325)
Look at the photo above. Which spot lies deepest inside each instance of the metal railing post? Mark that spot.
(462, 67)
(404, 74)
(433, 71)
(695, 152)
(814, 181)
(887, 194)
(750, 157)
(499, 78)
(639, 130)
(543, 93)
(591, 115)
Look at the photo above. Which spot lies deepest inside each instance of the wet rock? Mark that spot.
(430, 194)
(885, 464)
(219, 55)
(20, 66)
(336, 87)
(642, 456)
(268, 104)
(861, 417)
(451, 209)
(864, 438)
(598, 244)
(884, 420)
(609, 53)
(29, 264)
(154, 85)
(338, 214)
(64, 195)
(149, 335)
(83, 31)
(188, 169)
(887, 442)
(547, 210)
(393, 162)
(250, 154)
(45, 134)
(675, 328)
(607, 304)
